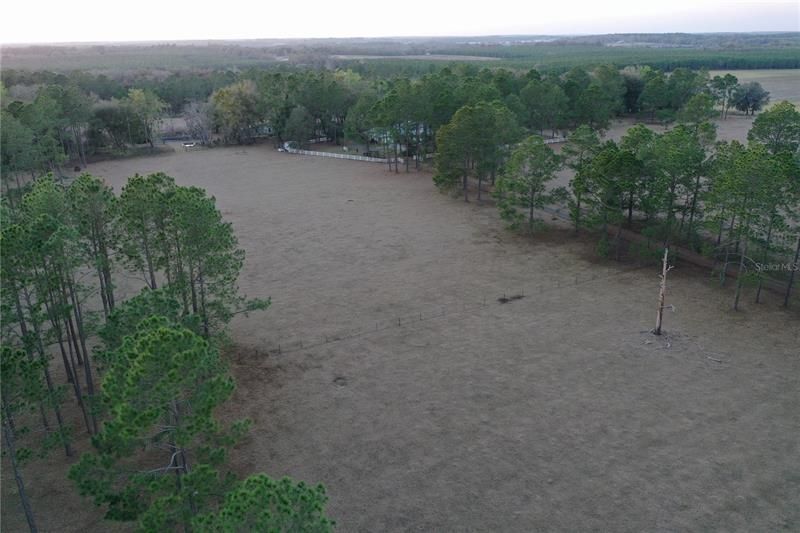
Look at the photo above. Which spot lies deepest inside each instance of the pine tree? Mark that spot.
(156, 445)
(524, 184)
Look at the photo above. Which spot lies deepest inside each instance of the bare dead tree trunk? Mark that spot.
(662, 293)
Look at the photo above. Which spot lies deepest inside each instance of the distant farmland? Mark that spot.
(412, 54)
(781, 84)
(426, 57)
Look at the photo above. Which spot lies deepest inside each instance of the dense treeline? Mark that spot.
(469, 117)
(176, 89)
(70, 118)
(159, 458)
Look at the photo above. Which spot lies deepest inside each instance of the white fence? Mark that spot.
(353, 157)
(336, 156)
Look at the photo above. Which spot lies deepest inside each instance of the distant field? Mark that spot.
(781, 84)
(391, 56)
(424, 57)
(559, 57)
(123, 58)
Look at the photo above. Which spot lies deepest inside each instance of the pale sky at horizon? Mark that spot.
(47, 21)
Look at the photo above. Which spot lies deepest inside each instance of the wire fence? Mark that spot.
(420, 317)
(719, 262)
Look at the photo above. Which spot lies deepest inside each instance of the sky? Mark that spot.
(42, 21)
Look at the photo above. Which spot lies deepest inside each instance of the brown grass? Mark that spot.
(782, 84)
(441, 409)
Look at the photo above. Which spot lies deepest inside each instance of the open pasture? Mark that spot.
(424, 403)
(782, 84)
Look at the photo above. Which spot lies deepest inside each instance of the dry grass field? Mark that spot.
(425, 404)
(782, 84)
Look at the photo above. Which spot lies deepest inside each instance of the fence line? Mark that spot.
(681, 253)
(352, 157)
(295, 344)
(291, 345)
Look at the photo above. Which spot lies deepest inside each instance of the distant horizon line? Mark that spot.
(388, 37)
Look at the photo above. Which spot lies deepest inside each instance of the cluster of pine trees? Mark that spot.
(63, 124)
(739, 204)
(142, 377)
